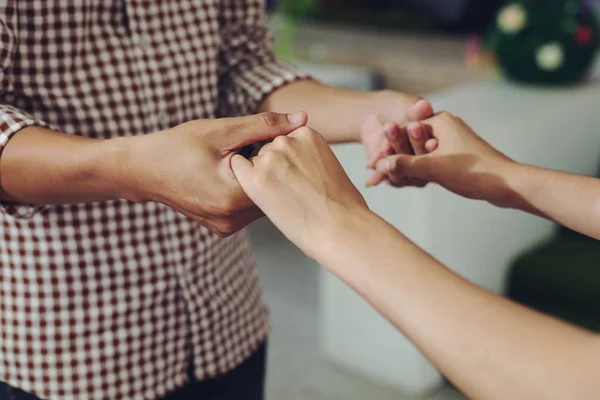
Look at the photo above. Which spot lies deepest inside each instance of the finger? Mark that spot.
(418, 136)
(373, 137)
(420, 183)
(431, 145)
(400, 184)
(242, 169)
(419, 111)
(388, 165)
(375, 179)
(398, 168)
(397, 181)
(267, 147)
(407, 182)
(398, 139)
(373, 161)
(393, 178)
(385, 152)
(244, 131)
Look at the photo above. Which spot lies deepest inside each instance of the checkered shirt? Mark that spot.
(114, 300)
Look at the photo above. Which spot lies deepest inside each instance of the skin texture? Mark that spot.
(488, 346)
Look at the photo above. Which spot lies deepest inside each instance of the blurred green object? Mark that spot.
(561, 278)
(297, 7)
(287, 12)
(545, 41)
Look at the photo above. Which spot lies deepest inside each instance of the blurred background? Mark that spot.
(414, 45)
(525, 75)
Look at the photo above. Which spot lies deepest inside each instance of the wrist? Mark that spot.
(342, 231)
(115, 167)
(509, 180)
(387, 103)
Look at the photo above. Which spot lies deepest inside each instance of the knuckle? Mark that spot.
(272, 157)
(281, 142)
(309, 134)
(304, 131)
(265, 149)
(267, 119)
(314, 135)
(224, 227)
(447, 116)
(223, 231)
(395, 166)
(226, 208)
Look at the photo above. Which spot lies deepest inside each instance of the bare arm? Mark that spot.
(570, 200)
(338, 113)
(342, 115)
(490, 347)
(39, 166)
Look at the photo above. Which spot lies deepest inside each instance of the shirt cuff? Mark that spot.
(12, 120)
(253, 85)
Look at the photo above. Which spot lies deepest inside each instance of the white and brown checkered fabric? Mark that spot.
(114, 300)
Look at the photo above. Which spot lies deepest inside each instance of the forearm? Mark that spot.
(336, 113)
(489, 347)
(570, 200)
(39, 166)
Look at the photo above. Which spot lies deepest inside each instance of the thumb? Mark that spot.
(244, 131)
(243, 170)
(402, 166)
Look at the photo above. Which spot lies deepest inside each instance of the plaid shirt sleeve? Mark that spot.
(249, 71)
(12, 119)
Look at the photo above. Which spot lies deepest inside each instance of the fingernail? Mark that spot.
(382, 167)
(392, 134)
(416, 132)
(422, 101)
(373, 161)
(431, 145)
(295, 118)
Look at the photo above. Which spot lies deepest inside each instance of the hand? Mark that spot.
(188, 167)
(463, 162)
(300, 185)
(382, 134)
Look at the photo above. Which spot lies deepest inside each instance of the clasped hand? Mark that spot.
(301, 186)
(188, 167)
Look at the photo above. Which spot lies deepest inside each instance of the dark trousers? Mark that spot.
(246, 382)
